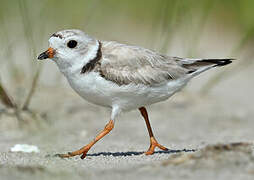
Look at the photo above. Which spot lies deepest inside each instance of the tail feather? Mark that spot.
(196, 66)
(217, 62)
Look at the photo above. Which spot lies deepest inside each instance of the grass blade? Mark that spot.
(32, 89)
(5, 98)
(29, 36)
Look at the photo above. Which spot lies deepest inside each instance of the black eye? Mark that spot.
(72, 44)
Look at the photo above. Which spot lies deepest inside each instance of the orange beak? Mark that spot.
(47, 54)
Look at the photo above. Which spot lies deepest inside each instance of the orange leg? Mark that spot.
(153, 142)
(86, 148)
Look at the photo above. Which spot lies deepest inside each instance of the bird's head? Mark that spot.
(70, 48)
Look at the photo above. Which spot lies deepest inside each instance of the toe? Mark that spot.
(63, 155)
(149, 152)
(162, 147)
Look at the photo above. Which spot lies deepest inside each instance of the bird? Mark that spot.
(121, 77)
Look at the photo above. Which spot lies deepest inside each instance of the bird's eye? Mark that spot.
(72, 44)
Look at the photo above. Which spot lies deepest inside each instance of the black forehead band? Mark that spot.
(57, 35)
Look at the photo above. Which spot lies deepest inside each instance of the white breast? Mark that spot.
(90, 87)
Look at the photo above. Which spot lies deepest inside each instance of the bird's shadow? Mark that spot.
(136, 153)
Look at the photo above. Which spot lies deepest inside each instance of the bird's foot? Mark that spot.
(82, 151)
(153, 145)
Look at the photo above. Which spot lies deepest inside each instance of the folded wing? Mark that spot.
(125, 64)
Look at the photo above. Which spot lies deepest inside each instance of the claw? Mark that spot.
(83, 156)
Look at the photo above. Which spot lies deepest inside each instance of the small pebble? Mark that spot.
(25, 148)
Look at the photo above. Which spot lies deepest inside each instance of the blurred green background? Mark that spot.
(188, 28)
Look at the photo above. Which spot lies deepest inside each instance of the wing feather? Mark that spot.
(125, 64)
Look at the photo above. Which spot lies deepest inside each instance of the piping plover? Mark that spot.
(121, 77)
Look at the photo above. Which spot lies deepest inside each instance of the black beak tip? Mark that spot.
(42, 56)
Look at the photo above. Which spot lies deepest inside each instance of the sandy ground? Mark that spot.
(184, 123)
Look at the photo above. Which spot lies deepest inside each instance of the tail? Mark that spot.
(216, 62)
(197, 66)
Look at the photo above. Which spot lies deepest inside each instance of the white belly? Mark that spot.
(99, 91)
